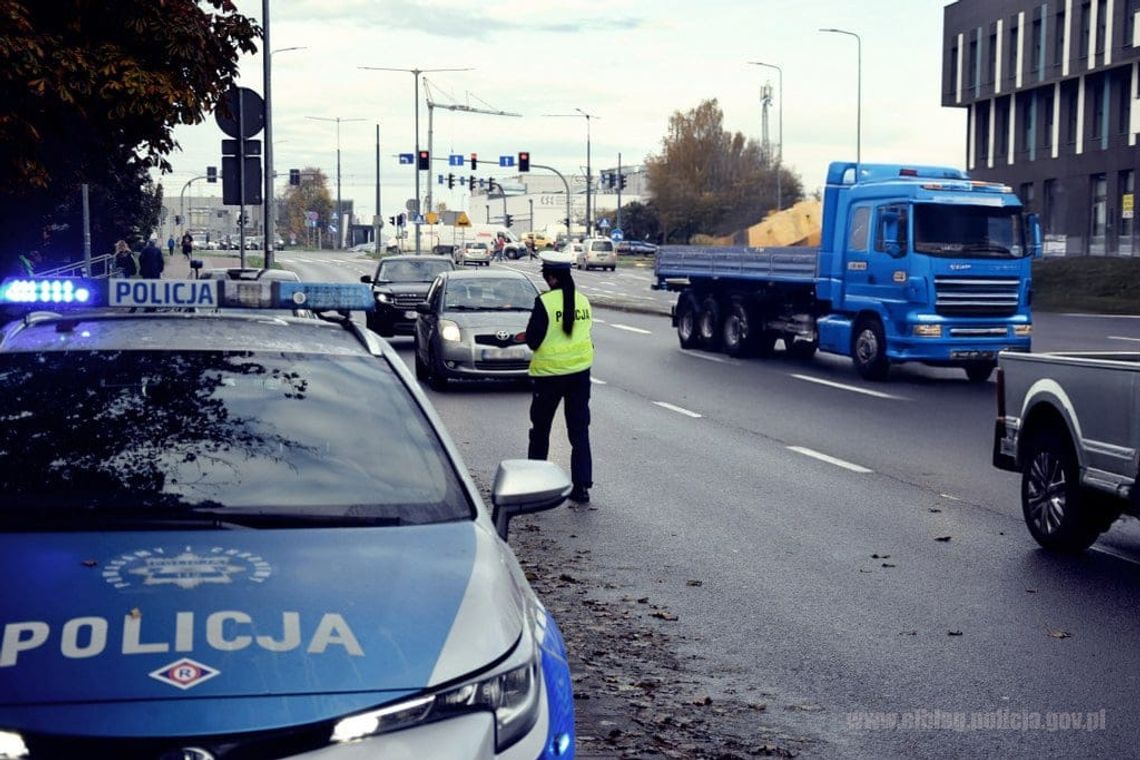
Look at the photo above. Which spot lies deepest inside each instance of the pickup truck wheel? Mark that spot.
(1058, 512)
(737, 331)
(869, 350)
(708, 325)
(979, 372)
(687, 321)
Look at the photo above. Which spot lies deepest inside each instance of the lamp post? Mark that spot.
(589, 179)
(270, 215)
(416, 75)
(339, 210)
(858, 94)
(780, 118)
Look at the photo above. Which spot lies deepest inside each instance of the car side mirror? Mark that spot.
(366, 279)
(423, 308)
(523, 486)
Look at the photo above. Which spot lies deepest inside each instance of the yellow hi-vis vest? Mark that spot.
(559, 353)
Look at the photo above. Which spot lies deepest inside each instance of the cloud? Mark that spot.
(471, 23)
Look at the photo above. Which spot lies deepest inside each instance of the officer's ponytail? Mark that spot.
(564, 281)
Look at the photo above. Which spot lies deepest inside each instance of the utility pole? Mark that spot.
(339, 209)
(378, 220)
(589, 178)
(780, 149)
(621, 178)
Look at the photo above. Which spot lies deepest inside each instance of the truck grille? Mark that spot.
(976, 296)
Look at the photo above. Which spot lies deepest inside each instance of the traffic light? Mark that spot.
(392, 221)
(450, 181)
(474, 161)
(621, 181)
(507, 219)
(424, 161)
(294, 176)
(524, 162)
(211, 174)
(471, 183)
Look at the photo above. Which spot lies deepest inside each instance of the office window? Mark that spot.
(1059, 38)
(954, 68)
(1123, 103)
(982, 131)
(1047, 118)
(1130, 7)
(1083, 41)
(1094, 90)
(1011, 49)
(1035, 47)
(1101, 24)
(1049, 205)
(991, 59)
(1025, 193)
(1025, 114)
(1001, 124)
(1071, 121)
(972, 67)
(1098, 214)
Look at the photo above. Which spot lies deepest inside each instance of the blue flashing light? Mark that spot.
(46, 291)
(325, 296)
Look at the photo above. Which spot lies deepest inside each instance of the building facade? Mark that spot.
(1052, 92)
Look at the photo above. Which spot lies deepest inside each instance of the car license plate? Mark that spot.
(516, 352)
(409, 315)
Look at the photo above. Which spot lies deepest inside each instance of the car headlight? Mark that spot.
(384, 298)
(449, 331)
(12, 746)
(511, 694)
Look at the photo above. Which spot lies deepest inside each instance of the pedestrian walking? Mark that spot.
(170, 245)
(151, 262)
(559, 334)
(187, 245)
(500, 243)
(124, 260)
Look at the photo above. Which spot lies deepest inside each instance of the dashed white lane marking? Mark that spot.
(596, 381)
(600, 322)
(627, 328)
(830, 459)
(707, 357)
(678, 409)
(1121, 337)
(852, 388)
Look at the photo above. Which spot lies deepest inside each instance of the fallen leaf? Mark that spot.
(567, 578)
(1057, 633)
(953, 633)
(942, 538)
(933, 509)
(889, 564)
(705, 700)
(643, 600)
(694, 583)
(663, 615)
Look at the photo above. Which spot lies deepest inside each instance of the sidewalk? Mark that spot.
(178, 266)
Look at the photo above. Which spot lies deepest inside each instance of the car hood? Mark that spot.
(323, 621)
(514, 321)
(412, 288)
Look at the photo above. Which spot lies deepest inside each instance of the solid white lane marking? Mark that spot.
(678, 409)
(844, 387)
(600, 322)
(830, 459)
(707, 357)
(1121, 337)
(596, 381)
(1116, 554)
(627, 328)
(1103, 316)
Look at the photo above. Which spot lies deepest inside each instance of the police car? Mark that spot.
(224, 535)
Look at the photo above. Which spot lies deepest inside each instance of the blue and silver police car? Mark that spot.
(233, 534)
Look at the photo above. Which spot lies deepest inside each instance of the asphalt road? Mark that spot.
(859, 557)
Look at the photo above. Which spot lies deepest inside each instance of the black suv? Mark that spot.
(400, 285)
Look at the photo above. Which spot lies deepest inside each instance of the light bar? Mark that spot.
(188, 294)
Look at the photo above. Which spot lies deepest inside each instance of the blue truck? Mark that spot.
(917, 264)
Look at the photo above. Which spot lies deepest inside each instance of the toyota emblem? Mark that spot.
(502, 335)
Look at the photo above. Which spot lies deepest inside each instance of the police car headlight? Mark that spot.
(384, 298)
(512, 694)
(449, 331)
(12, 746)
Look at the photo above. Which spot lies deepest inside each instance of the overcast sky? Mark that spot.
(632, 63)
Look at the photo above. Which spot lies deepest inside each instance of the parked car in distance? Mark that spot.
(473, 253)
(474, 326)
(640, 247)
(251, 274)
(369, 247)
(539, 239)
(400, 284)
(596, 253)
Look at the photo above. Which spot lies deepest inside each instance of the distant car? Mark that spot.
(573, 248)
(400, 284)
(252, 274)
(474, 253)
(213, 245)
(642, 247)
(474, 326)
(596, 253)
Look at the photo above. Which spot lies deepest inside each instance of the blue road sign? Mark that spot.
(439, 179)
(419, 219)
(604, 223)
(617, 235)
(407, 158)
(455, 159)
(506, 161)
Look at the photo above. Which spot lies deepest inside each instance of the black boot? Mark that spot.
(580, 494)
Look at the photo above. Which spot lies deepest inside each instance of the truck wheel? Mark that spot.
(979, 372)
(737, 331)
(1060, 515)
(869, 350)
(687, 321)
(708, 325)
(799, 349)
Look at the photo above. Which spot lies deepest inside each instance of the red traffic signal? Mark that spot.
(474, 161)
(524, 161)
(424, 161)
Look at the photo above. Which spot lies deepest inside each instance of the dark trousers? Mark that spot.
(575, 391)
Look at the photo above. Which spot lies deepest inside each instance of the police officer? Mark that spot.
(559, 334)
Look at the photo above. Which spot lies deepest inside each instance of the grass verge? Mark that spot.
(1095, 284)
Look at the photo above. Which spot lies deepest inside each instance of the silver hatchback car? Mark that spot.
(474, 326)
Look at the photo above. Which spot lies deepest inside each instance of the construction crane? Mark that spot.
(432, 105)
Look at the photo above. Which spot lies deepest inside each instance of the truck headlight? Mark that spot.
(449, 331)
(511, 694)
(12, 746)
(1023, 331)
(928, 331)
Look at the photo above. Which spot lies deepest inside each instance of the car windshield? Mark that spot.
(968, 231)
(411, 271)
(490, 294)
(602, 246)
(269, 433)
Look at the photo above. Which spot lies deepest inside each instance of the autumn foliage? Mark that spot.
(92, 92)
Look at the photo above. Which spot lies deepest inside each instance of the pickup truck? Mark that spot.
(1068, 422)
(917, 264)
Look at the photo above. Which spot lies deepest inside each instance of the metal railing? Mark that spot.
(101, 266)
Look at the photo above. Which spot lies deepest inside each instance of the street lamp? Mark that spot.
(858, 94)
(589, 179)
(780, 150)
(416, 75)
(339, 210)
(270, 215)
